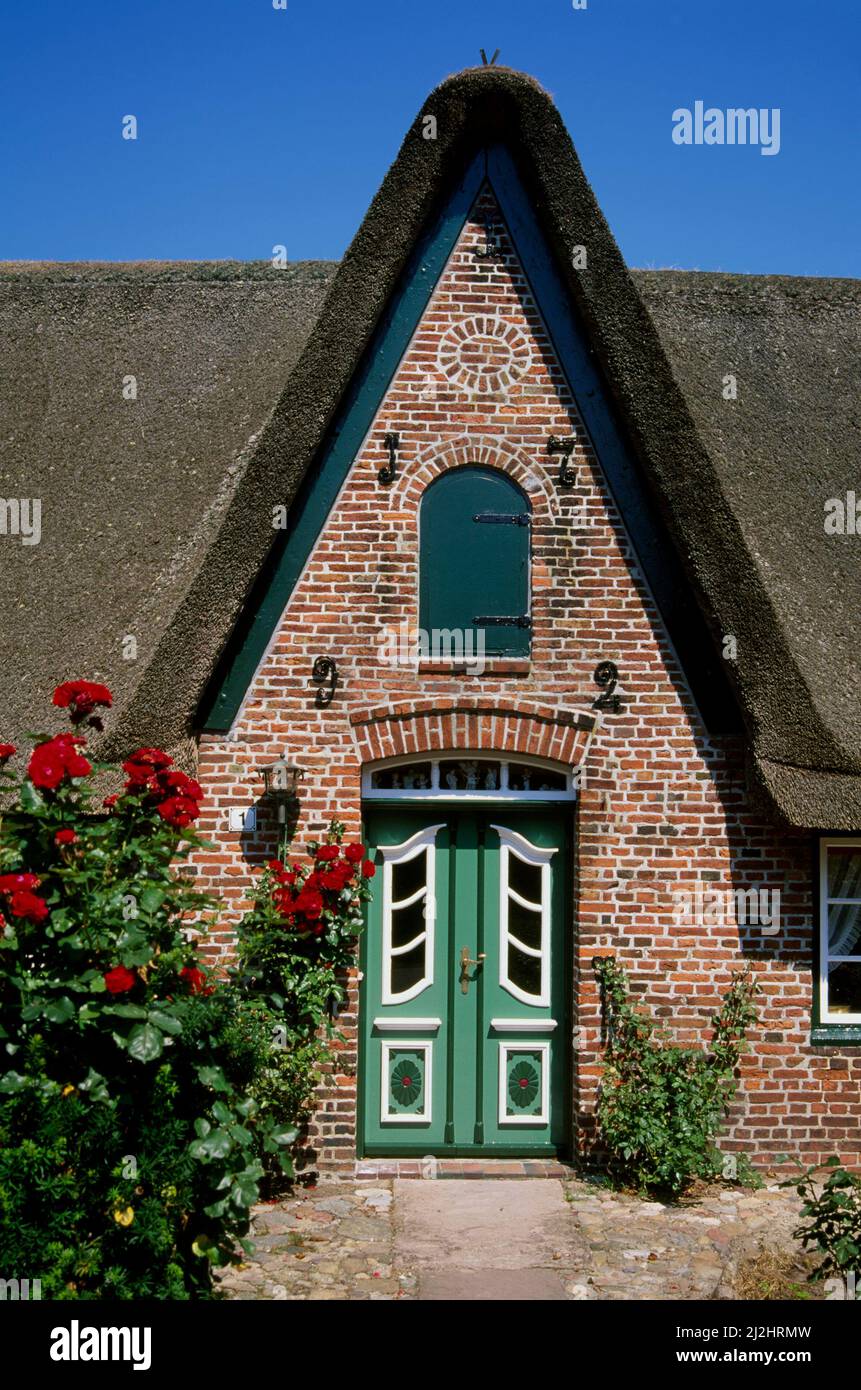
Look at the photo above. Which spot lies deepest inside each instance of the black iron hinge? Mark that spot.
(504, 518)
(522, 620)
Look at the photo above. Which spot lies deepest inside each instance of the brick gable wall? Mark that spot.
(664, 809)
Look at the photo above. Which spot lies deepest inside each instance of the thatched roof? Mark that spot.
(157, 512)
(132, 491)
(788, 444)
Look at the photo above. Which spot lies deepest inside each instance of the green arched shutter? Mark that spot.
(474, 537)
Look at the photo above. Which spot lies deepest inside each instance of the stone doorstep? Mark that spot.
(375, 1169)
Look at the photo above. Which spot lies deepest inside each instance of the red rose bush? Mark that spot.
(130, 1141)
(294, 950)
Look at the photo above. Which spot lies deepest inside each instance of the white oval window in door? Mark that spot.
(409, 912)
(524, 917)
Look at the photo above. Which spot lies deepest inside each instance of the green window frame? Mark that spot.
(474, 564)
(837, 1006)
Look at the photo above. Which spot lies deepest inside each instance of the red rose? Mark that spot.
(6, 751)
(178, 811)
(119, 980)
(368, 869)
(56, 759)
(46, 768)
(275, 866)
(179, 784)
(144, 764)
(195, 979)
(76, 764)
(337, 878)
(26, 904)
(81, 698)
(283, 899)
(65, 837)
(82, 694)
(150, 770)
(353, 853)
(12, 883)
(111, 801)
(139, 775)
(151, 757)
(310, 904)
(326, 853)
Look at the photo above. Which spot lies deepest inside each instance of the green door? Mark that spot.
(465, 1031)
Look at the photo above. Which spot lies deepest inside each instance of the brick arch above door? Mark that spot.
(476, 724)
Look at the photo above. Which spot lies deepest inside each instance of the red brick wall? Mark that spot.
(664, 806)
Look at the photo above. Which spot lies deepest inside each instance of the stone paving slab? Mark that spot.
(381, 1168)
(495, 1224)
(502, 1239)
(493, 1286)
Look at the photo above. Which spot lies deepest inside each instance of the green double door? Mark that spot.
(465, 1033)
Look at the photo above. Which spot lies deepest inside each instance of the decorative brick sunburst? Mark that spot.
(484, 355)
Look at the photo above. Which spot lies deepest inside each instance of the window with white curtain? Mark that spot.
(840, 942)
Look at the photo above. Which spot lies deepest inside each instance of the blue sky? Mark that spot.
(259, 126)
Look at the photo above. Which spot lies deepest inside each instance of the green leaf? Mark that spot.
(61, 1011)
(151, 899)
(125, 1010)
(131, 939)
(30, 799)
(166, 1022)
(141, 955)
(244, 1192)
(95, 1085)
(216, 1145)
(214, 1077)
(12, 1081)
(285, 1134)
(145, 1042)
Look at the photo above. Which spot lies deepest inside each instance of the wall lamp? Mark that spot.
(281, 785)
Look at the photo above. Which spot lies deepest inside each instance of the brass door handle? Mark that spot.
(465, 963)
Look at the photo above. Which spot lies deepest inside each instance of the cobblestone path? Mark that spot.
(503, 1239)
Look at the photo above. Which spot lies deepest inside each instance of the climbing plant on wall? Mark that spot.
(662, 1107)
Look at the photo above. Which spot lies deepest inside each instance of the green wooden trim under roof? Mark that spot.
(317, 495)
(309, 512)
